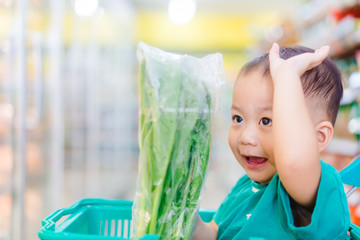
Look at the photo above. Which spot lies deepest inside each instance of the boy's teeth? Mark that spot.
(256, 160)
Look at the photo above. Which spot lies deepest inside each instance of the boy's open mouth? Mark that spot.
(255, 161)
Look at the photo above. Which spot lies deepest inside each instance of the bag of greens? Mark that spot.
(177, 96)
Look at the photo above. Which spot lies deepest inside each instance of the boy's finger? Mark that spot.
(319, 55)
(274, 52)
(324, 51)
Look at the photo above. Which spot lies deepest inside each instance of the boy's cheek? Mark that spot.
(233, 139)
(233, 149)
(267, 147)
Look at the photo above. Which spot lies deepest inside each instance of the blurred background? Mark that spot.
(68, 90)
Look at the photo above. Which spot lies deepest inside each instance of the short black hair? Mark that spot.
(323, 83)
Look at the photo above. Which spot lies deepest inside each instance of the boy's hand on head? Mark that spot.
(295, 65)
(295, 140)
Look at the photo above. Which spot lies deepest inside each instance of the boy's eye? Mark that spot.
(237, 119)
(266, 122)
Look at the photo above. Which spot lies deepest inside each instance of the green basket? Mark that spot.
(107, 219)
(95, 219)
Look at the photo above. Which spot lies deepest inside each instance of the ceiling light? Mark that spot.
(86, 8)
(181, 12)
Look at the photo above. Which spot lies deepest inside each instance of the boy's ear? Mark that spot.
(324, 133)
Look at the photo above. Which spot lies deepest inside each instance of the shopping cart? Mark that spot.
(111, 219)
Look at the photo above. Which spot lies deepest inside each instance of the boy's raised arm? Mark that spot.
(296, 149)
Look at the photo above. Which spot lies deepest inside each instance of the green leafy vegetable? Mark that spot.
(175, 103)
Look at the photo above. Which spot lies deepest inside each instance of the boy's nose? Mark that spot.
(248, 136)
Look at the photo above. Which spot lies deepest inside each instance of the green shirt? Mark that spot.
(257, 211)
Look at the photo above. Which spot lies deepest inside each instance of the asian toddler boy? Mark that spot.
(283, 113)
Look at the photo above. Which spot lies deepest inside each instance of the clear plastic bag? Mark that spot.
(177, 96)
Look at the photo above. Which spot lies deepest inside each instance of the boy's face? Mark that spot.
(250, 135)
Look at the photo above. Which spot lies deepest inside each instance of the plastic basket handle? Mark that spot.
(49, 223)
